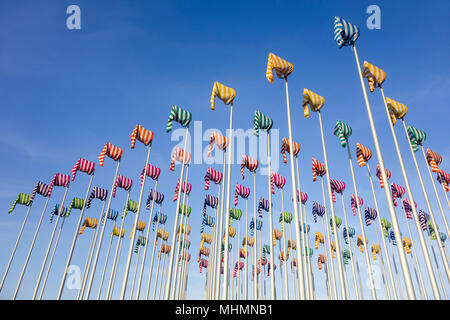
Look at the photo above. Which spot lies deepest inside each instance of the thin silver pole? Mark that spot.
(83, 278)
(106, 264)
(304, 234)
(135, 268)
(153, 255)
(272, 260)
(255, 248)
(219, 233)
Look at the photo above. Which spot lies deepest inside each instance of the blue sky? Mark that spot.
(66, 92)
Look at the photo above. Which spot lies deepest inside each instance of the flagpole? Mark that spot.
(271, 271)
(304, 235)
(169, 271)
(357, 268)
(386, 287)
(219, 233)
(227, 210)
(391, 277)
(15, 247)
(106, 263)
(437, 265)
(255, 271)
(286, 288)
(157, 271)
(74, 241)
(213, 254)
(91, 245)
(136, 267)
(395, 226)
(30, 250)
(60, 209)
(91, 278)
(153, 254)
(308, 260)
(396, 272)
(246, 258)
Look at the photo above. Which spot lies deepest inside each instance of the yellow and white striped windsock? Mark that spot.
(248, 241)
(374, 75)
(281, 67)
(276, 235)
(396, 109)
(118, 232)
(311, 100)
(360, 243)
(140, 226)
(160, 233)
(88, 223)
(224, 93)
(375, 250)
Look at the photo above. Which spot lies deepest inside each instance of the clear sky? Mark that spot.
(66, 92)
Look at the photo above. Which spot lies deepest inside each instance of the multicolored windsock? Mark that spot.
(55, 212)
(434, 160)
(83, 165)
(219, 140)
(210, 201)
(40, 188)
(235, 214)
(396, 109)
(407, 244)
(378, 174)
(180, 155)
(285, 217)
(346, 255)
(203, 263)
(111, 151)
(186, 188)
(261, 121)
(303, 197)
(131, 206)
(343, 131)
(97, 193)
(336, 186)
(370, 214)
(277, 180)
(162, 234)
(397, 192)
(423, 219)
(140, 242)
(417, 137)
(122, 182)
(276, 236)
(143, 135)
(345, 33)
(311, 100)
(224, 93)
(281, 67)
(444, 179)
(252, 226)
(317, 210)
(407, 207)
(152, 172)
(154, 195)
(354, 204)
(77, 203)
(363, 154)
(212, 175)
(179, 115)
(250, 163)
(88, 223)
(242, 191)
(392, 238)
(348, 233)
(374, 75)
(318, 169)
(159, 218)
(23, 199)
(262, 205)
(248, 241)
(285, 148)
(59, 180)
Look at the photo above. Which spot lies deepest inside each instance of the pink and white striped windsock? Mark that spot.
(186, 188)
(152, 172)
(304, 197)
(277, 180)
(179, 155)
(59, 180)
(407, 207)
(336, 186)
(203, 264)
(122, 182)
(378, 174)
(354, 204)
(397, 192)
(221, 141)
(250, 163)
(242, 191)
(83, 165)
(212, 175)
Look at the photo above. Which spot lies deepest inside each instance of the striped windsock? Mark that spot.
(346, 255)
(152, 172)
(350, 233)
(118, 232)
(224, 93)
(252, 226)
(261, 121)
(40, 188)
(321, 259)
(179, 115)
(219, 140)
(97, 193)
(250, 163)
(285, 217)
(210, 201)
(345, 33)
(262, 205)
(203, 263)
(407, 207)
(444, 179)
(184, 229)
(277, 180)
(354, 203)
(88, 223)
(212, 175)
(392, 238)
(363, 154)
(360, 243)
(285, 148)
(154, 195)
(303, 197)
(143, 135)
(141, 241)
(242, 191)
(180, 155)
(159, 218)
(122, 182)
(55, 211)
(185, 210)
(186, 188)
(131, 206)
(281, 67)
(235, 214)
(59, 180)
(276, 235)
(336, 186)
(207, 221)
(248, 241)
(386, 225)
(434, 160)
(397, 192)
(83, 165)
(311, 100)
(317, 210)
(320, 239)
(396, 109)
(338, 223)
(343, 131)
(160, 233)
(333, 249)
(378, 174)
(165, 248)
(417, 137)
(305, 228)
(111, 151)
(232, 232)
(140, 226)
(77, 203)
(112, 215)
(374, 75)
(407, 244)
(423, 219)
(370, 214)
(23, 199)
(375, 250)
(318, 169)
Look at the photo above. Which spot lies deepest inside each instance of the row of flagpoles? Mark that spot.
(223, 278)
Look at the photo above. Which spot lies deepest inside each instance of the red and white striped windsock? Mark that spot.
(152, 172)
(397, 192)
(59, 180)
(187, 187)
(242, 191)
(212, 175)
(277, 180)
(388, 175)
(250, 163)
(318, 169)
(285, 148)
(83, 165)
(179, 155)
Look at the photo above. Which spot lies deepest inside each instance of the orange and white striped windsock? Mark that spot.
(374, 75)
(111, 151)
(224, 93)
(318, 169)
(88, 223)
(143, 135)
(285, 148)
(281, 67)
(434, 160)
(220, 140)
(321, 260)
(444, 179)
(250, 163)
(363, 154)
(312, 100)
(179, 155)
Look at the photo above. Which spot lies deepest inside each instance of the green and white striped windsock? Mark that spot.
(338, 223)
(179, 115)
(130, 206)
(22, 199)
(386, 225)
(416, 137)
(343, 132)
(186, 210)
(77, 203)
(261, 121)
(141, 241)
